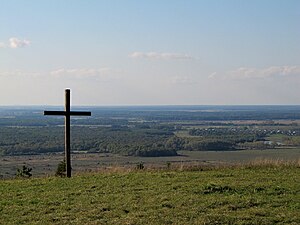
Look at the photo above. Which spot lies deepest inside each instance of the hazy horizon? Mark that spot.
(123, 53)
(132, 106)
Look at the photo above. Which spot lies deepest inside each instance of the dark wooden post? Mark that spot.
(67, 133)
(67, 113)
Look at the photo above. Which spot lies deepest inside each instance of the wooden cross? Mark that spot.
(67, 113)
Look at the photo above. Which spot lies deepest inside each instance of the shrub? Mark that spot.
(24, 172)
(168, 165)
(61, 169)
(140, 166)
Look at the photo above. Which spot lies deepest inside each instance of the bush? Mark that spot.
(24, 172)
(140, 166)
(61, 169)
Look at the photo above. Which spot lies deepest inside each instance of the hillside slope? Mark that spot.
(256, 195)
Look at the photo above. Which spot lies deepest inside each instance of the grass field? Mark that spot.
(253, 194)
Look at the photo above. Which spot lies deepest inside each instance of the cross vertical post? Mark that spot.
(67, 133)
(67, 113)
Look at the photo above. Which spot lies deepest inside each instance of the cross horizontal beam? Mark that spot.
(64, 113)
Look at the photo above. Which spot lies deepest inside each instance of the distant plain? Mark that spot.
(119, 137)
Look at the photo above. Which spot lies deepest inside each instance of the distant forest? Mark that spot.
(151, 131)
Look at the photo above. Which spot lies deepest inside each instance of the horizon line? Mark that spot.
(148, 105)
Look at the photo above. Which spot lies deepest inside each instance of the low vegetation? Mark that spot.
(61, 169)
(263, 192)
(24, 172)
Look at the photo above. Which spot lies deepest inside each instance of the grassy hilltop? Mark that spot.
(260, 194)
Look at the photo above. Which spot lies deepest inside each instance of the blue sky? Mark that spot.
(150, 52)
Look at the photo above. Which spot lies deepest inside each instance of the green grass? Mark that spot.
(258, 194)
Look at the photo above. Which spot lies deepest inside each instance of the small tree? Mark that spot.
(140, 166)
(24, 172)
(168, 165)
(61, 169)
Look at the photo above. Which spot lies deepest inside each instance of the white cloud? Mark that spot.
(212, 75)
(19, 73)
(18, 43)
(157, 55)
(103, 74)
(181, 80)
(2, 45)
(273, 71)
